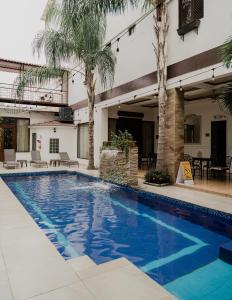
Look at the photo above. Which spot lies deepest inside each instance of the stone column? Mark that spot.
(174, 123)
(100, 131)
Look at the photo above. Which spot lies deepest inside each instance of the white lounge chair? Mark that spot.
(64, 159)
(10, 159)
(36, 159)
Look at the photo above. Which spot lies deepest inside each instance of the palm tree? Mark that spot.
(161, 26)
(226, 94)
(78, 37)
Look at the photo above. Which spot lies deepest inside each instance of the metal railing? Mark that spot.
(32, 95)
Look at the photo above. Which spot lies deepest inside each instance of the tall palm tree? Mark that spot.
(161, 26)
(226, 94)
(78, 37)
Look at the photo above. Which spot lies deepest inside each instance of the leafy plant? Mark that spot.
(121, 141)
(158, 177)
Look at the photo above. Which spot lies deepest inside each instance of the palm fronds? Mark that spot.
(98, 6)
(226, 97)
(226, 52)
(56, 46)
(226, 93)
(37, 76)
(105, 62)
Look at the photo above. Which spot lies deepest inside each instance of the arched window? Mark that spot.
(192, 129)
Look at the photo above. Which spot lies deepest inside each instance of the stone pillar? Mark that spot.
(100, 132)
(174, 127)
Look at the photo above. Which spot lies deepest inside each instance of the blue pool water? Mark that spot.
(177, 245)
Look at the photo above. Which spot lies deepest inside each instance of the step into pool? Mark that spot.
(177, 244)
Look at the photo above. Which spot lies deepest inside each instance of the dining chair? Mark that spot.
(223, 169)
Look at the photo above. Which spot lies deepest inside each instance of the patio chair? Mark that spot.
(64, 159)
(222, 169)
(10, 159)
(36, 159)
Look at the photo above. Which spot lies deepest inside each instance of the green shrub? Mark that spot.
(158, 177)
(121, 141)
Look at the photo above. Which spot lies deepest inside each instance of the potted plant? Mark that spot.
(157, 178)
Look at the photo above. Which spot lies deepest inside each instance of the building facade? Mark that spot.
(195, 118)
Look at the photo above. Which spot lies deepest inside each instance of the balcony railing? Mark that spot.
(33, 96)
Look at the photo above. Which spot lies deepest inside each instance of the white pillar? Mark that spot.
(100, 131)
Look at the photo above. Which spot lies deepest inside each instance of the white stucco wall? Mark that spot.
(67, 141)
(208, 110)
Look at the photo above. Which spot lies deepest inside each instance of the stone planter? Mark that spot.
(156, 184)
(117, 168)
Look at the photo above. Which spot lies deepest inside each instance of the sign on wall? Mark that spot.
(184, 175)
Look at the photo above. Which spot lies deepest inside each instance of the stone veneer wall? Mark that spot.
(174, 131)
(115, 167)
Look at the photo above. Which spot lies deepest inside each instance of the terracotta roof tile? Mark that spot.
(53, 123)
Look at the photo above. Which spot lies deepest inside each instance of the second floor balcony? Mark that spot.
(33, 96)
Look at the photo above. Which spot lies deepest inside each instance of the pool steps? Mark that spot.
(118, 277)
(225, 252)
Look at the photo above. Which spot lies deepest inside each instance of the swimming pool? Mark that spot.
(175, 243)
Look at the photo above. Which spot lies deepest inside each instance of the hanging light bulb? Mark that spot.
(61, 87)
(156, 95)
(118, 39)
(73, 81)
(213, 76)
(181, 88)
(119, 106)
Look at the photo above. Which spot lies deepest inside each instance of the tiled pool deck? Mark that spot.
(32, 268)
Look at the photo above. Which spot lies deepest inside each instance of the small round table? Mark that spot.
(55, 162)
(22, 161)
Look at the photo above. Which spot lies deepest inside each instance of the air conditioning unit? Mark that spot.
(66, 115)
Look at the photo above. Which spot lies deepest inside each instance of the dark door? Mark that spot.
(7, 139)
(134, 127)
(148, 138)
(218, 142)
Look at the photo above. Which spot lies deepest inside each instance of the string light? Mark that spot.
(213, 76)
(118, 39)
(73, 81)
(181, 88)
(156, 94)
(119, 104)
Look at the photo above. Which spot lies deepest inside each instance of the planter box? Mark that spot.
(156, 184)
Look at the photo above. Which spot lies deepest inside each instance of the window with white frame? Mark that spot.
(54, 146)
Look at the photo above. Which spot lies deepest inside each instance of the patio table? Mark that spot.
(55, 162)
(201, 160)
(22, 161)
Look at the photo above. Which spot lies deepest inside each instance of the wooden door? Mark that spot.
(218, 142)
(8, 139)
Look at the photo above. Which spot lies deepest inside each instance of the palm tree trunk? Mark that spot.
(91, 101)
(161, 26)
